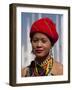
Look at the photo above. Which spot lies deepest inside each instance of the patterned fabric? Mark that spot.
(42, 69)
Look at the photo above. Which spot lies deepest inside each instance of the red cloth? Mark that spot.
(46, 26)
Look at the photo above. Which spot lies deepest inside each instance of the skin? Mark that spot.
(41, 46)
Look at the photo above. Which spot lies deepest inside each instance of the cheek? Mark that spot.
(33, 45)
(47, 47)
(33, 48)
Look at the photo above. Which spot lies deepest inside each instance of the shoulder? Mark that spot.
(25, 71)
(57, 68)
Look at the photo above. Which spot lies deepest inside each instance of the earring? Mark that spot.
(50, 53)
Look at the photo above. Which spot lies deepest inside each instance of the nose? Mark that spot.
(39, 44)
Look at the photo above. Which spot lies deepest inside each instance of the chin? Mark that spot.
(40, 56)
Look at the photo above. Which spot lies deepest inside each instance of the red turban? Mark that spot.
(45, 26)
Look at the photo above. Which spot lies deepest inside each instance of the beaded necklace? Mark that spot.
(44, 68)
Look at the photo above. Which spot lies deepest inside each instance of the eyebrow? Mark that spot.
(40, 38)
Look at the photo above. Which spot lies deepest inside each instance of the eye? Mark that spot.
(44, 40)
(35, 40)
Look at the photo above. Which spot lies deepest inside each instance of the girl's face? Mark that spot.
(40, 45)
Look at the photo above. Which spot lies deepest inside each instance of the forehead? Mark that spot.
(40, 36)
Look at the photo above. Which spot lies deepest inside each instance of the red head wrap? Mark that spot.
(45, 26)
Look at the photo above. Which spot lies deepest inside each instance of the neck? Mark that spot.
(41, 59)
